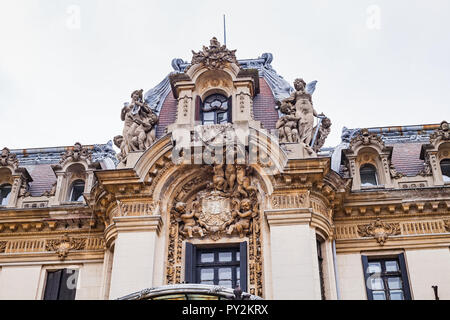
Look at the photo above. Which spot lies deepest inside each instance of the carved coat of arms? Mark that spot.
(227, 206)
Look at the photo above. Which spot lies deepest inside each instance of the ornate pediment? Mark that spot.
(364, 138)
(76, 153)
(216, 56)
(441, 134)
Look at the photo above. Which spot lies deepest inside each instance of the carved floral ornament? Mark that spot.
(379, 230)
(65, 244)
(216, 56)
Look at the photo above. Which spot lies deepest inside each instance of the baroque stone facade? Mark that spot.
(222, 166)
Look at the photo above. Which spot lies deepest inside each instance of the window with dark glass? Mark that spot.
(386, 278)
(216, 110)
(5, 191)
(445, 169)
(368, 175)
(320, 258)
(61, 284)
(226, 266)
(77, 190)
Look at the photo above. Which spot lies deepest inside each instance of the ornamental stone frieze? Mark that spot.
(379, 230)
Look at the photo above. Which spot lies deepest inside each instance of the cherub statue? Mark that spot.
(230, 175)
(119, 141)
(244, 187)
(245, 214)
(219, 181)
(287, 125)
(189, 220)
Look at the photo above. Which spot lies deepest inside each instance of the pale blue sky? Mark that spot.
(60, 84)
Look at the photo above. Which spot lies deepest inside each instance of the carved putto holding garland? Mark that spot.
(214, 57)
(227, 206)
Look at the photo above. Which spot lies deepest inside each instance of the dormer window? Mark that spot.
(445, 169)
(216, 110)
(76, 191)
(368, 175)
(5, 192)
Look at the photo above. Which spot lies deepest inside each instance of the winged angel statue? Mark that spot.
(297, 123)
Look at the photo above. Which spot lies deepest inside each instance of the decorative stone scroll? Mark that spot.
(443, 133)
(379, 230)
(8, 159)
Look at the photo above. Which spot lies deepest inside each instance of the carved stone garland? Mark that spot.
(227, 207)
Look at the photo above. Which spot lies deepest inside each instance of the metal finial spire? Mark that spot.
(224, 31)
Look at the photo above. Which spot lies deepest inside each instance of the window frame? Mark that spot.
(447, 163)
(53, 288)
(402, 273)
(192, 257)
(321, 259)
(216, 111)
(375, 172)
(72, 186)
(7, 197)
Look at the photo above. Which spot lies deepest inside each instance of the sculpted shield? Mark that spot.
(215, 213)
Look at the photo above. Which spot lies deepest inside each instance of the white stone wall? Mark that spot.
(351, 277)
(426, 268)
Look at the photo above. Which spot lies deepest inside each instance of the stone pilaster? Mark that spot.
(134, 253)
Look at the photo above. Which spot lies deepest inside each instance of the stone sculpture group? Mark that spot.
(297, 123)
(139, 130)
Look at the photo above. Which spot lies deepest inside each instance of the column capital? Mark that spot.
(132, 224)
(289, 216)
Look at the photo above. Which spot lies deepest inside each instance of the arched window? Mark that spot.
(5, 192)
(76, 191)
(445, 169)
(368, 175)
(216, 110)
